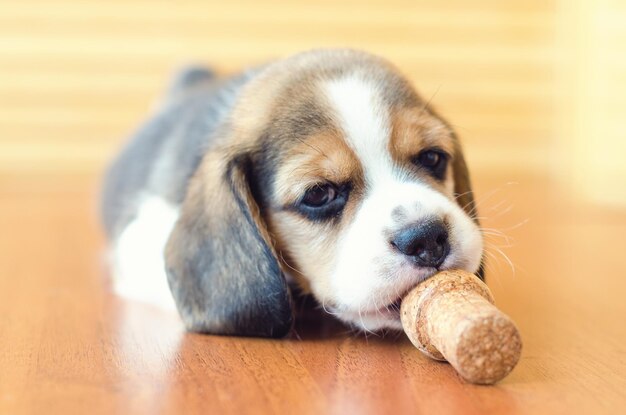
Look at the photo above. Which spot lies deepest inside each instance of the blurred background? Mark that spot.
(533, 87)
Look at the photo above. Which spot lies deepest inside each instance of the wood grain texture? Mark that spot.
(68, 345)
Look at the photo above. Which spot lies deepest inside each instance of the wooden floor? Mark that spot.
(67, 345)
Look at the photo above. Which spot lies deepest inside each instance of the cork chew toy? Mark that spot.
(451, 317)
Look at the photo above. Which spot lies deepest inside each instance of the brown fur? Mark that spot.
(322, 158)
(415, 129)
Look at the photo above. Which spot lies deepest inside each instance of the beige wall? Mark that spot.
(537, 86)
(591, 98)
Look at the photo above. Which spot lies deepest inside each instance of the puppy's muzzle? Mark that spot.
(426, 242)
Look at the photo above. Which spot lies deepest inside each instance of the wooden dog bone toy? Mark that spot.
(451, 317)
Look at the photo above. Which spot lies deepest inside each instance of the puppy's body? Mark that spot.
(160, 159)
(327, 164)
(145, 186)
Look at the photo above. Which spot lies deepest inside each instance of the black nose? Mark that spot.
(426, 242)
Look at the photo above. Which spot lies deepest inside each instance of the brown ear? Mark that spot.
(462, 184)
(221, 267)
(463, 191)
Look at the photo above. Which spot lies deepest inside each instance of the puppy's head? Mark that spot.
(334, 170)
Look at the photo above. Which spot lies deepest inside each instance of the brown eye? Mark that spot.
(323, 201)
(434, 161)
(429, 158)
(319, 195)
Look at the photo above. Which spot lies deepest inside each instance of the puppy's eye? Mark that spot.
(319, 195)
(435, 161)
(429, 158)
(324, 201)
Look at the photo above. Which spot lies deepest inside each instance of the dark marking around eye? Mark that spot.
(319, 195)
(433, 160)
(322, 202)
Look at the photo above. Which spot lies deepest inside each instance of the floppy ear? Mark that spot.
(221, 266)
(462, 184)
(463, 191)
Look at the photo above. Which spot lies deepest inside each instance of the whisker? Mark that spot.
(327, 311)
(481, 200)
(496, 254)
(282, 258)
(425, 107)
(518, 225)
(320, 152)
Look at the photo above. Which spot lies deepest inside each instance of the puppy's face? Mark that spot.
(359, 191)
(333, 170)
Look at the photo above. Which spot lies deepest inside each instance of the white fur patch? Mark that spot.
(138, 264)
(364, 120)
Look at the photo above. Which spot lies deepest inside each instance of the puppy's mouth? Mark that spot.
(391, 310)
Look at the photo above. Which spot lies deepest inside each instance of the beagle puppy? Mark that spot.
(325, 171)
